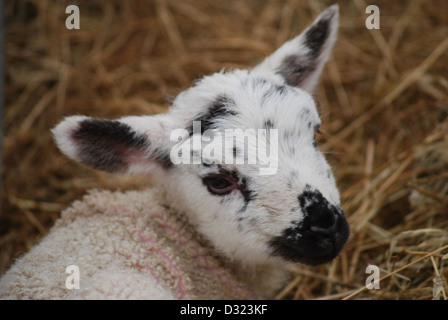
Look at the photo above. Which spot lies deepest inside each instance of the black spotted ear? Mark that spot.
(130, 144)
(301, 60)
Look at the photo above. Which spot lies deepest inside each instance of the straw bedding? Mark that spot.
(383, 101)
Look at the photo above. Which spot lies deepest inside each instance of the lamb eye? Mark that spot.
(219, 185)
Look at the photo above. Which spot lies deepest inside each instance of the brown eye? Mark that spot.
(220, 185)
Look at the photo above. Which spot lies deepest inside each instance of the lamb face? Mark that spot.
(291, 211)
(237, 151)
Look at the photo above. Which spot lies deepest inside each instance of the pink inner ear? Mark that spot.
(136, 157)
(141, 157)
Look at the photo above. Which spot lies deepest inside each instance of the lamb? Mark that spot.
(216, 225)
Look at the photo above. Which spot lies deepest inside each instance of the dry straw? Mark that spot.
(383, 99)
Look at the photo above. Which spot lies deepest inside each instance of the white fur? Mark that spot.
(62, 133)
(237, 228)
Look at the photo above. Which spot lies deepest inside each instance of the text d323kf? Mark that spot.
(228, 309)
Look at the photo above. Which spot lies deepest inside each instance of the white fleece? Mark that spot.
(126, 246)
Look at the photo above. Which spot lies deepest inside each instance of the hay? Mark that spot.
(383, 99)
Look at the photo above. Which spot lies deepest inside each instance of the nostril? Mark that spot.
(327, 228)
(321, 217)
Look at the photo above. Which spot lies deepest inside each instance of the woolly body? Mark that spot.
(126, 246)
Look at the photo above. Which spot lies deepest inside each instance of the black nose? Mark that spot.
(326, 226)
(316, 239)
(321, 216)
(319, 237)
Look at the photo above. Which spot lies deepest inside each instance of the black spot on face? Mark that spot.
(259, 82)
(274, 89)
(222, 107)
(241, 220)
(304, 114)
(280, 89)
(247, 193)
(268, 124)
(235, 152)
(293, 178)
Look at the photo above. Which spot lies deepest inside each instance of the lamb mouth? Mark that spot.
(304, 246)
(293, 252)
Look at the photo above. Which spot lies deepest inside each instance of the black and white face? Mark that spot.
(291, 209)
(239, 154)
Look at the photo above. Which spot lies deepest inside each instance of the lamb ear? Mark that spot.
(301, 60)
(130, 144)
